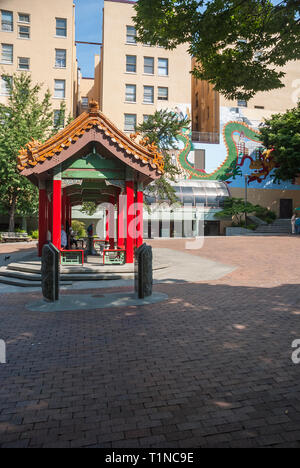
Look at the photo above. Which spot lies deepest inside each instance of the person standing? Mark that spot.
(293, 223)
(64, 239)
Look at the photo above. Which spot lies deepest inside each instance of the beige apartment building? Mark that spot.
(137, 79)
(206, 103)
(38, 37)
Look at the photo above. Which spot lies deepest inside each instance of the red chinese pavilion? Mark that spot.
(91, 160)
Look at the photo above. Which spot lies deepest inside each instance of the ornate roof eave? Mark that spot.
(36, 153)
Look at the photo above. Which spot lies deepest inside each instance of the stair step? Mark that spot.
(25, 283)
(20, 275)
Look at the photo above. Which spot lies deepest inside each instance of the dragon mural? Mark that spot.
(242, 143)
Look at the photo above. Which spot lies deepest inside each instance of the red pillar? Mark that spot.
(43, 224)
(139, 218)
(111, 230)
(49, 202)
(120, 220)
(64, 209)
(56, 214)
(107, 224)
(70, 212)
(130, 221)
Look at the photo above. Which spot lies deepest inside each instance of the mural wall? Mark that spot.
(239, 153)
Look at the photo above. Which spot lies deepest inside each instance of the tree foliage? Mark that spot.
(89, 208)
(238, 44)
(26, 116)
(282, 133)
(235, 209)
(162, 128)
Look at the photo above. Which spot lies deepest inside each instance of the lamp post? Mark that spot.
(246, 197)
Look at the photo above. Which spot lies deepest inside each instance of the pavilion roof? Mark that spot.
(37, 154)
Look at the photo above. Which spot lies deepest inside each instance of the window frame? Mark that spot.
(146, 117)
(57, 28)
(135, 119)
(24, 14)
(10, 23)
(85, 106)
(130, 35)
(56, 81)
(144, 100)
(242, 103)
(55, 120)
(19, 31)
(2, 93)
(12, 54)
(127, 86)
(24, 58)
(65, 58)
(159, 98)
(153, 65)
(166, 60)
(130, 64)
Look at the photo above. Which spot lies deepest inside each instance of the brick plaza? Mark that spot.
(210, 367)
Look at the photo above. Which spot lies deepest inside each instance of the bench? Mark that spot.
(114, 257)
(15, 237)
(71, 257)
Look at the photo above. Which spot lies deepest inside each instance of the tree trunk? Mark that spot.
(12, 212)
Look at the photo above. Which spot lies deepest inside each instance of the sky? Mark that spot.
(88, 28)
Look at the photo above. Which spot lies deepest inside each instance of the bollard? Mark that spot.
(50, 272)
(143, 271)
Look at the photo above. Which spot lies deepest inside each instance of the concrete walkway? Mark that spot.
(182, 267)
(94, 301)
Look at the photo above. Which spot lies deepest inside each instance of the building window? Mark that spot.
(7, 55)
(61, 27)
(163, 67)
(131, 63)
(59, 119)
(130, 35)
(60, 58)
(23, 63)
(5, 85)
(149, 65)
(148, 94)
(242, 103)
(146, 117)
(130, 122)
(130, 94)
(85, 102)
(200, 159)
(24, 32)
(163, 94)
(60, 89)
(24, 18)
(7, 20)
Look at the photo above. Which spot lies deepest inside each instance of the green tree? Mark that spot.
(89, 208)
(238, 44)
(25, 117)
(282, 133)
(235, 209)
(162, 128)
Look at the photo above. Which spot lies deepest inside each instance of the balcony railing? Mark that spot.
(206, 137)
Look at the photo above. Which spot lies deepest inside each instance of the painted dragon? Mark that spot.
(234, 133)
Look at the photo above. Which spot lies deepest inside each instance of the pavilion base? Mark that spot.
(28, 273)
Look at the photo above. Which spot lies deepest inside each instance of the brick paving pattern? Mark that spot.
(210, 367)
